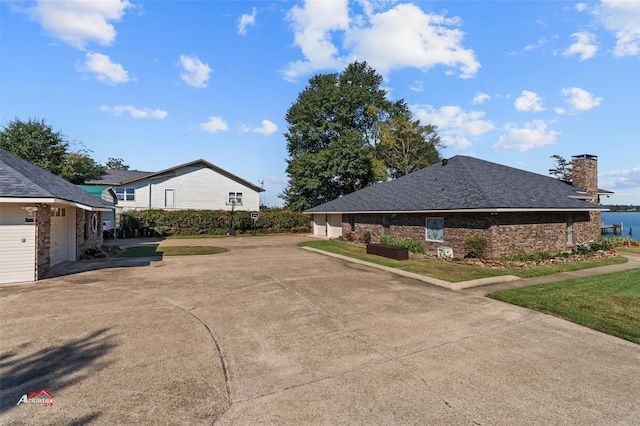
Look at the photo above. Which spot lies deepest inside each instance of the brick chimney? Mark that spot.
(584, 172)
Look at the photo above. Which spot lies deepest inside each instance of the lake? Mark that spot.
(629, 220)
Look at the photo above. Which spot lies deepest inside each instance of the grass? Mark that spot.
(608, 303)
(629, 250)
(153, 250)
(452, 272)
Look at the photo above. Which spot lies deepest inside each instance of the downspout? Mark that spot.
(149, 194)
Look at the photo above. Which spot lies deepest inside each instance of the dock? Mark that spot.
(615, 228)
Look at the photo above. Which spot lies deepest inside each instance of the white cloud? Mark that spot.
(267, 128)
(623, 19)
(529, 101)
(531, 135)
(420, 40)
(245, 21)
(215, 124)
(417, 86)
(135, 112)
(622, 178)
(580, 99)
(105, 70)
(480, 98)
(585, 45)
(194, 72)
(312, 25)
(80, 22)
(456, 127)
(581, 7)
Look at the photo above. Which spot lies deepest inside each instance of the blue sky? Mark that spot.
(161, 83)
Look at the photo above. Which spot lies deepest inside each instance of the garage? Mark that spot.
(18, 253)
(60, 235)
(44, 220)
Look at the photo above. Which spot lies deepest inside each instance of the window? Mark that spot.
(569, 229)
(169, 198)
(58, 211)
(235, 198)
(126, 194)
(435, 229)
(386, 222)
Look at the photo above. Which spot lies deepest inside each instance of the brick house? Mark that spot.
(444, 204)
(44, 220)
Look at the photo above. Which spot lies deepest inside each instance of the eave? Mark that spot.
(489, 210)
(50, 201)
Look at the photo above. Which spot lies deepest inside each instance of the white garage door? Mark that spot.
(59, 251)
(18, 253)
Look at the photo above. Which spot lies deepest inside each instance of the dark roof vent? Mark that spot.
(444, 161)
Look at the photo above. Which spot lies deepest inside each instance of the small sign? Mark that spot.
(255, 216)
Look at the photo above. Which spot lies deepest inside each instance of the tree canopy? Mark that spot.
(344, 134)
(562, 168)
(116, 164)
(37, 142)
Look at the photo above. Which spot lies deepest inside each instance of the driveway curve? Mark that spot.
(268, 333)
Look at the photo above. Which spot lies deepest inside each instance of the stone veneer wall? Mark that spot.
(506, 233)
(85, 238)
(43, 242)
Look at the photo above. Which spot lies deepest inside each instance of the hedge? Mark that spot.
(213, 222)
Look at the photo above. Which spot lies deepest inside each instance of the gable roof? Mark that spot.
(463, 183)
(21, 180)
(123, 177)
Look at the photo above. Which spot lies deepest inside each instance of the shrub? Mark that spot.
(366, 237)
(214, 222)
(412, 246)
(475, 247)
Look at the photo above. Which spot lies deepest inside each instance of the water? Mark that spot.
(629, 220)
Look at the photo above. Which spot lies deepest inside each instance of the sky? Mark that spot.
(163, 83)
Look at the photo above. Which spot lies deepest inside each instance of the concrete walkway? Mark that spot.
(269, 333)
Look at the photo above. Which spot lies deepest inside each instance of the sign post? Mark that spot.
(255, 216)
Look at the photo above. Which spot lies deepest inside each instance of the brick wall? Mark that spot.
(85, 237)
(43, 242)
(506, 233)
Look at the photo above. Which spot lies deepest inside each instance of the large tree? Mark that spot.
(334, 128)
(79, 167)
(37, 142)
(404, 145)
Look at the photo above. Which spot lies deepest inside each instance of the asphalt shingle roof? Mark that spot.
(21, 179)
(118, 177)
(123, 177)
(463, 183)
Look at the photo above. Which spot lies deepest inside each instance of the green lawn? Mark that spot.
(152, 250)
(448, 271)
(609, 303)
(629, 250)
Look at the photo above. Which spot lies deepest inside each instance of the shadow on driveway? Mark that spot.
(75, 267)
(52, 368)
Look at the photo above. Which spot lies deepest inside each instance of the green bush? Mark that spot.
(475, 247)
(214, 222)
(412, 246)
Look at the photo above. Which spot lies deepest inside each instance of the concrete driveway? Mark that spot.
(269, 333)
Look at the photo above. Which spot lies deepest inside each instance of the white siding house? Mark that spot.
(198, 185)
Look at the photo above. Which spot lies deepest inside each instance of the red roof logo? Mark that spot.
(42, 393)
